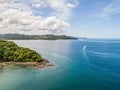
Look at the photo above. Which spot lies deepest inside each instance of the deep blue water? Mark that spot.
(79, 65)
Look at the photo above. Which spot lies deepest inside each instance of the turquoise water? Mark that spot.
(79, 65)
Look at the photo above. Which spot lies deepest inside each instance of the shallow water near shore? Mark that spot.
(79, 65)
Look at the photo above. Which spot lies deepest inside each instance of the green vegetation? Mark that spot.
(9, 51)
(55, 37)
(43, 37)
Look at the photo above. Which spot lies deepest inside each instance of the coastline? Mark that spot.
(39, 65)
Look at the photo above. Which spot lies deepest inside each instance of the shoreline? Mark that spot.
(39, 65)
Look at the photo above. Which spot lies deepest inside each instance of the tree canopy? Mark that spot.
(9, 51)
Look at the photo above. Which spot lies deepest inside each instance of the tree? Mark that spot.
(9, 51)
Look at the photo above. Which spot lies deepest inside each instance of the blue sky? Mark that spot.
(86, 18)
(97, 19)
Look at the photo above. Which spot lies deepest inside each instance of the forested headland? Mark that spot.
(11, 53)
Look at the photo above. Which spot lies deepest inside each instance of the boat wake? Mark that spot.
(84, 53)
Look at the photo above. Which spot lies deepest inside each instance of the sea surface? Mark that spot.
(79, 65)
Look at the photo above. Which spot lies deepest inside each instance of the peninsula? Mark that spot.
(11, 53)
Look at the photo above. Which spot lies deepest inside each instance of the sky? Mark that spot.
(82, 18)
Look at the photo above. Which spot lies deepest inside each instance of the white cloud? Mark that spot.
(61, 8)
(17, 21)
(39, 3)
(4, 2)
(107, 11)
(18, 15)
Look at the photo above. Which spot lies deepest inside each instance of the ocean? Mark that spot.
(78, 65)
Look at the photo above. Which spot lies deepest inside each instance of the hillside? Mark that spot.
(9, 51)
(43, 37)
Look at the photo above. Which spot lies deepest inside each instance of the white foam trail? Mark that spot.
(84, 53)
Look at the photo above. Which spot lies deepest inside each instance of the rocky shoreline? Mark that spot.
(42, 64)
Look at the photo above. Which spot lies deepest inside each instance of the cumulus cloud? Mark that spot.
(61, 8)
(13, 19)
(4, 2)
(18, 15)
(39, 3)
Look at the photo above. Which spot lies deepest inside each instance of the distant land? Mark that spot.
(43, 37)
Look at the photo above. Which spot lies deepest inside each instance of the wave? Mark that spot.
(84, 53)
(105, 54)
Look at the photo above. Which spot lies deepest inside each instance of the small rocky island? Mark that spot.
(11, 53)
